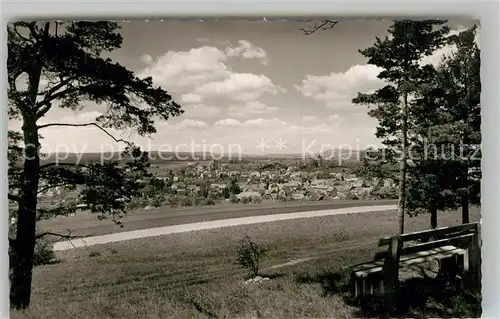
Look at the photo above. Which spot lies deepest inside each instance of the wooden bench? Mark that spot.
(456, 248)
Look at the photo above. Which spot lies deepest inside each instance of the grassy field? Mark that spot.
(193, 275)
(86, 223)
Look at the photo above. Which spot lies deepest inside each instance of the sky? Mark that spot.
(246, 86)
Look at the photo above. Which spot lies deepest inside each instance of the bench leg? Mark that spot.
(381, 286)
(376, 284)
(449, 269)
(462, 263)
(363, 285)
(358, 286)
(372, 284)
(466, 261)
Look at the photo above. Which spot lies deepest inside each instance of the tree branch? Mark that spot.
(61, 164)
(46, 29)
(22, 36)
(12, 243)
(52, 95)
(86, 124)
(323, 25)
(31, 27)
(46, 101)
(51, 186)
(68, 236)
(14, 198)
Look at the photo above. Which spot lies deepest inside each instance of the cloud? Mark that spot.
(191, 124)
(146, 59)
(201, 110)
(176, 70)
(191, 98)
(247, 50)
(272, 126)
(272, 130)
(204, 71)
(260, 122)
(250, 108)
(337, 89)
(253, 123)
(447, 51)
(227, 123)
(309, 118)
(334, 117)
(240, 87)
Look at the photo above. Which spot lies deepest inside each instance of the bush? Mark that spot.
(44, 253)
(226, 193)
(351, 196)
(157, 201)
(137, 202)
(245, 200)
(94, 254)
(234, 188)
(199, 200)
(234, 200)
(284, 199)
(173, 201)
(249, 255)
(209, 201)
(185, 202)
(256, 199)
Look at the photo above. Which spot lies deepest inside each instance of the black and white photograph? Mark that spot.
(244, 168)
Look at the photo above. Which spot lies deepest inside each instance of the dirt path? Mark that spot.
(87, 224)
(158, 231)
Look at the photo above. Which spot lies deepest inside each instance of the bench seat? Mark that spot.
(456, 248)
(368, 276)
(366, 269)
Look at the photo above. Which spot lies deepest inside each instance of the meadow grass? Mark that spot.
(194, 275)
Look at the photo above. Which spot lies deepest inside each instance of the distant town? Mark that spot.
(192, 183)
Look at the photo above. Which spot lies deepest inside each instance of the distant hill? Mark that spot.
(166, 157)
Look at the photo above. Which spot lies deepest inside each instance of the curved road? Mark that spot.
(87, 224)
(169, 221)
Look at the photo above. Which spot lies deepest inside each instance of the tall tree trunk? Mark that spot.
(20, 289)
(24, 248)
(464, 180)
(465, 172)
(434, 218)
(465, 210)
(403, 167)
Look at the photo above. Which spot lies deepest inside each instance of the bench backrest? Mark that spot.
(434, 238)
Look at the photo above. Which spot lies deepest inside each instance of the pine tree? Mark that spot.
(449, 116)
(54, 64)
(399, 57)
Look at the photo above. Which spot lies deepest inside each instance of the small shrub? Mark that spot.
(234, 200)
(185, 202)
(209, 201)
(198, 200)
(249, 255)
(94, 254)
(173, 201)
(234, 188)
(245, 200)
(136, 202)
(226, 193)
(157, 201)
(44, 253)
(284, 199)
(351, 196)
(256, 199)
